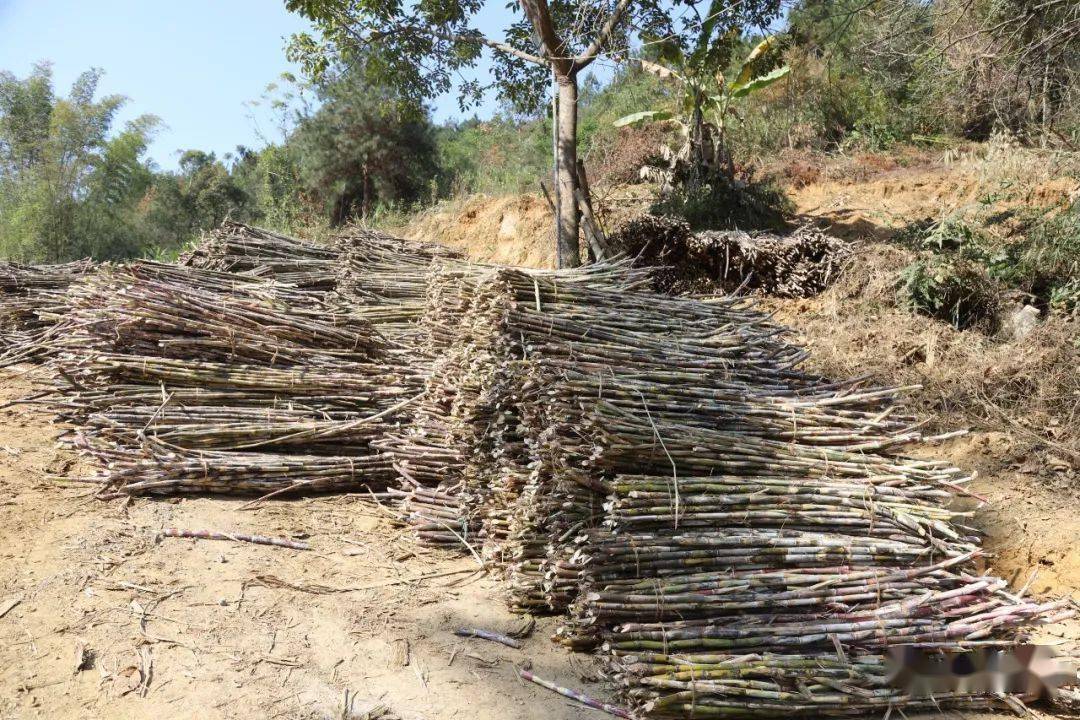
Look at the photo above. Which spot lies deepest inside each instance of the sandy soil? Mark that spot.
(506, 230)
(110, 623)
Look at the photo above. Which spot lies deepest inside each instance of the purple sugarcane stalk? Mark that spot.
(488, 635)
(213, 535)
(577, 695)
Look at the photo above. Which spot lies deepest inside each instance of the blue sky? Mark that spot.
(194, 64)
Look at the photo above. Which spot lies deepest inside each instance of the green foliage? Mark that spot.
(1048, 261)
(949, 288)
(72, 185)
(1043, 261)
(69, 185)
(494, 156)
(362, 147)
(855, 82)
(512, 154)
(1066, 298)
(706, 98)
(721, 204)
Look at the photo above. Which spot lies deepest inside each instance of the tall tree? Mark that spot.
(63, 169)
(364, 145)
(422, 46)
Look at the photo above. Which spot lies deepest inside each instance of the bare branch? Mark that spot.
(539, 14)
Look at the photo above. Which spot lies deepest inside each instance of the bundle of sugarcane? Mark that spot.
(670, 666)
(238, 248)
(155, 468)
(344, 412)
(656, 241)
(668, 459)
(745, 545)
(167, 369)
(149, 309)
(461, 422)
(384, 279)
(29, 296)
(768, 684)
(216, 427)
(448, 426)
(799, 264)
(518, 473)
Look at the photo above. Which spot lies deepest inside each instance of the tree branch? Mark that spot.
(447, 35)
(493, 44)
(603, 36)
(539, 15)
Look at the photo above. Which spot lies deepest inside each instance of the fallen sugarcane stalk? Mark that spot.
(576, 695)
(235, 537)
(488, 635)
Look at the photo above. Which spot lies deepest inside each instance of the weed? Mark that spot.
(950, 288)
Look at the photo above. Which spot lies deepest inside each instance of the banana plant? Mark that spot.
(707, 96)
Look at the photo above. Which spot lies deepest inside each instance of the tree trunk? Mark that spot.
(569, 251)
(697, 146)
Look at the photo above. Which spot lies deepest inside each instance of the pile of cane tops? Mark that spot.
(797, 264)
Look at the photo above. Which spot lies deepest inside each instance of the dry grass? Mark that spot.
(1028, 387)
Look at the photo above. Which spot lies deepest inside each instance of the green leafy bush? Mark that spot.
(1042, 262)
(950, 288)
(1066, 298)
(719, 204)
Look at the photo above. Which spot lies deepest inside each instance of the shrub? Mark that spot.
(1066, 298)
(1044, 262)
(950, 288)
(721, 204)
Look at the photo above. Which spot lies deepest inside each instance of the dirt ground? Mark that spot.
(99, 620)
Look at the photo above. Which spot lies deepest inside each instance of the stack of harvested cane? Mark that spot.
(456, 426)
(798, 264)
(29, 298)
(195, 380)
(384, 280)
(741, 538)
(239, 248)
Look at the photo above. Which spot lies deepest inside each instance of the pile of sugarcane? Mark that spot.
(740, 538)
(238, 248)
(29, 296)
(384, 279)
(456, 417)
(798, 264)
(185, 380)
